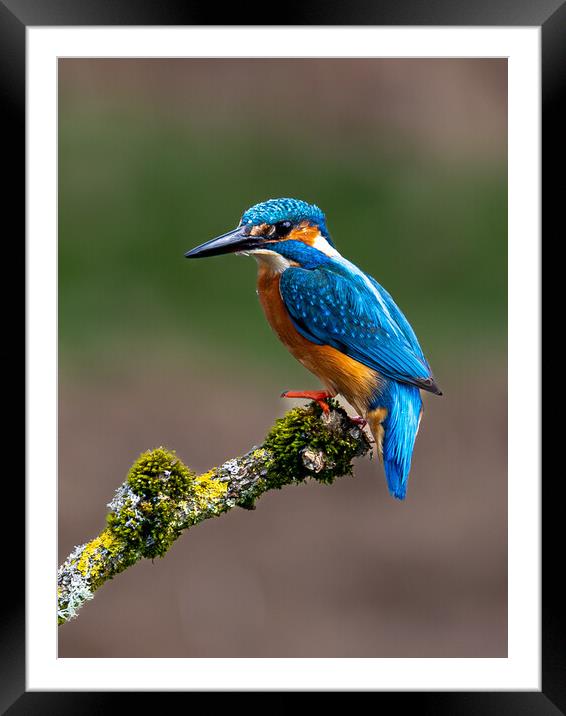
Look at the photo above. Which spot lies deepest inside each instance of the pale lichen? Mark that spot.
(73, 588)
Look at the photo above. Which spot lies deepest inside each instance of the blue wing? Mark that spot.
(331, 305)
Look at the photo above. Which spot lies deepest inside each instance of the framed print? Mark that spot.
(148, 133)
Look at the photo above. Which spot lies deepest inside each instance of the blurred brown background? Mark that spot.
(408, 160)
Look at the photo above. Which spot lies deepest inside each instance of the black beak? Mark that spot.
(237, 240)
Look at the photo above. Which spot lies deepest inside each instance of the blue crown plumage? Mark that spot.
(295, 210)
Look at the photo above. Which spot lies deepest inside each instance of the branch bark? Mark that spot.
(161, 497)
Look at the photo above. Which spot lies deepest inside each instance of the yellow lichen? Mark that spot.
(91, 560)
(207, 490)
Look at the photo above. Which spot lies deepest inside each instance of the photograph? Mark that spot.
(282, 354)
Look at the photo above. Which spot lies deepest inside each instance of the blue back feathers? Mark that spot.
(295, 210)
(333, 305)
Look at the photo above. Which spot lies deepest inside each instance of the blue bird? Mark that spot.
(338, 322)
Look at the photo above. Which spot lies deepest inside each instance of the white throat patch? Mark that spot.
(270, 259)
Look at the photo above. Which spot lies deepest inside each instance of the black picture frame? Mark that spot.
(550, 15)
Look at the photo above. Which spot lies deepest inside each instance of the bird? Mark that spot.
(338, 321)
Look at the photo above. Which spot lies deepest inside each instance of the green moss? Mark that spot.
(303, 428)
(145, 511)
(158, 472)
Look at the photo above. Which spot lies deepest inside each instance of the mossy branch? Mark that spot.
(161, 497)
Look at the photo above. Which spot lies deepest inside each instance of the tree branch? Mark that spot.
(161, 497)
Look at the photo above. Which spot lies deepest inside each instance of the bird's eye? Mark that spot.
(281, 228)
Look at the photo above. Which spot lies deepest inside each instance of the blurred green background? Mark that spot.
(408, 160)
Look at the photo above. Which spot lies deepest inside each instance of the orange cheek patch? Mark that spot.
(304, 232)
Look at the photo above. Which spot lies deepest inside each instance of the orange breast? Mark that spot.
(339, 373)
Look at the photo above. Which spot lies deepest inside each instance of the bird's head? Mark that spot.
(287, 228)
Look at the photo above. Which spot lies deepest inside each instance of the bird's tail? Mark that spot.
(394, 418)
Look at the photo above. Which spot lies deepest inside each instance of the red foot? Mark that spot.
(320, 396)
(362, 422)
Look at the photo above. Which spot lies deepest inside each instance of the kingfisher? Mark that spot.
(338, 321)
